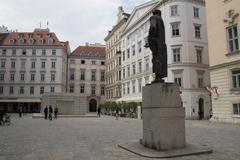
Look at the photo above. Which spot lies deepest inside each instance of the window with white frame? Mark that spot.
(102, 76)
(2, 76)
(102, 90)
(33, 51)
(22, 77)
(197, 28)
(236, 108)
(175, 29)
(54, 52)
(236, 78)
(43, 64)
(31, 90)
(133, 68)
(140, 67)
(52, 89)
(13, 64)
(33, 64)
(128, 53)
(93, 89)
(133, 50)
(200, 78)
(72, 75)
(133, 86)
(71, 89)
(11, 90)
(4, 51)
(41, 90)
(199, 55)
(93, 75)
(3, 64)
(178, 78)
(52, 77)
(42, 77)
(12, 76)
(53, 64)
(233, 38)
(196, 12)
(82, 88)
(147, 64)
(140, 85)
(82, 75)
(123, 55)
(44, 52)
(23, 63)
(1, 89)
(139, 46)
(174, 10)
(32, 77)
(124, 73)
(128, 70)
(176, 55)
(21, 90)
(128, 87)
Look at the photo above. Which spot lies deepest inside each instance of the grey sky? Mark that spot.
(77, 21)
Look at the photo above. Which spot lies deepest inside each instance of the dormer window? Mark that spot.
(30, 36)
(39, 36)
(50, 40)
(40, 41)
(20, 36)
(21, 41)
(31, 41)
(11, 41)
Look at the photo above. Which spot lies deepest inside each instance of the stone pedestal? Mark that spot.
(163, 117)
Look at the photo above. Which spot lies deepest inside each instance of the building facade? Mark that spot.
(223, 21)
(113, 58)
(186, 39)
(86, 74)
(31, 64)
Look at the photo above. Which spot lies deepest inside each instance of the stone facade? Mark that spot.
(32, 63)
(86, 74)
(223, 21)
(113, 58)
(186, 39)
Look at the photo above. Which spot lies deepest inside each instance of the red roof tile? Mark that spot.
(88, 51)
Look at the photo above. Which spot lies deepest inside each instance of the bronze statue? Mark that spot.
(156, 43)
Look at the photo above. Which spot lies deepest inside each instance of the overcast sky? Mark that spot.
(77, 21)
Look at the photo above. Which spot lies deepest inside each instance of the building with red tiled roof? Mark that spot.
(31, 64)
(86, 74)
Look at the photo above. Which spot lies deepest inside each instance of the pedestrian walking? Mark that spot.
(117, 114)
(20, 111)
(46, 112)
(99, 111)
(1, 118)
(50, 113)
(55, 112)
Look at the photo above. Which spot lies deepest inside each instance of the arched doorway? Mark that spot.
(93, 105)
(200, 108)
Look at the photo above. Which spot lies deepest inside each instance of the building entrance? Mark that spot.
(93, 105)
(200, 108)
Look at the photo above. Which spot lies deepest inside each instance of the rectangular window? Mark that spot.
(23, 63)
(178, 80)
(14, 52)
(11, 90)
(4, 51)
(93, 90)
(24, 52)
(52, 77)
(41, 90)
(236, 109)
(72, 76)
(102, 90)
(22, 77)
(139, 46)
(3, 64)
(134, 69)
(12, 77)
(128, 53)
(233, 42)
(123, 55)
(82, 75)
(102, 63)
(44, 52)
(196, 12)
(93, 76)
(52, 89)
(124, 89)
(139, 67)
(2, 77)
(123, 73)
(42, 77)
(128, 88)
(93, 62)
(199, 56)
(139, 85)
(200, 82)
(197, 31)
(133, 87)
(236, 78)
(31, 90)
(71, 89)
(175, 29)
(32, 77)
(13, 64)
(82, 61)
(147, 64)
(54, 52)
(82, 88)
(33, 64)
(133, 50)
(43, 64)
(21, 91)
(176, 55)
(102, 76)
(34, 52)
(72, 61)
(1, 89)
(174, 10)
(128, 70)
(53, 64)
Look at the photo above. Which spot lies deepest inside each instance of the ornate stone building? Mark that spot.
(31, 64)
(223, 19)
(186, 39)
(113, 57)
(86, 74)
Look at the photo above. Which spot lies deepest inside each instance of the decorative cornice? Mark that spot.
(237, 62)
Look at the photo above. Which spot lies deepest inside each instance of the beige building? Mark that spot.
(31, 64)
(113, 57)
(86, 74)
(223, 21)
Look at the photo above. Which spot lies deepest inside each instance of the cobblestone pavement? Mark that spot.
(97, 139)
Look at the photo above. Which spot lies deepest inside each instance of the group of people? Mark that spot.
(48, 112)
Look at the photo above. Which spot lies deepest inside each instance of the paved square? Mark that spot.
(97, 139)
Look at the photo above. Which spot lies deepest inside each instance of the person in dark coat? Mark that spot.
(99, 111)
(20, 111)
(50, 113)
(46, 112)
(1, 118)
(55, 112)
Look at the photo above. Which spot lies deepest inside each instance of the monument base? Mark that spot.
(189, 149)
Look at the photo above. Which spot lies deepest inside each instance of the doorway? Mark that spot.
(93, 105)
(200, 108)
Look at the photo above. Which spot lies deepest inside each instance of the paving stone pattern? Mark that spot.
(97, 139)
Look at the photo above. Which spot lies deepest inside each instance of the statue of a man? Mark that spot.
(156, 43)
